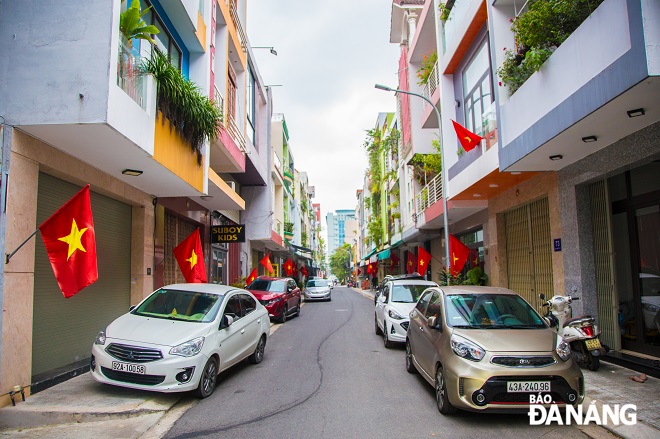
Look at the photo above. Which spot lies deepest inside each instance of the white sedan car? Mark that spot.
(180, 338)
(398, 297)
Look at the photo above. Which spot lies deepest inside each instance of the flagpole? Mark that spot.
(9, 255)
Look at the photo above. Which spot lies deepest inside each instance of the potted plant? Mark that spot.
(131, 24)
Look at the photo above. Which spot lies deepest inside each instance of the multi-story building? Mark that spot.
(337, 228)
(559, 195)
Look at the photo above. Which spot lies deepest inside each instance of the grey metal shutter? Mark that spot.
(64, 329)
(176, 230)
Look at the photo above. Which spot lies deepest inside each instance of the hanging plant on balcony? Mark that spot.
(539, 31)
(193, 115)
(131, 24)
(424, 72)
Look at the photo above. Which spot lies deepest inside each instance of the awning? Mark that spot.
(369, 255)
(385, 254)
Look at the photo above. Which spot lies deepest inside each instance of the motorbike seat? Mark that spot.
(575, 319)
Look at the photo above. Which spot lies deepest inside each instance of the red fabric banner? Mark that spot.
(266, 263)
(459, 253)
(71, 244)
(303, 270)
(467, 138)
(251, 277)
(394, 260)
(423, 260)
(412, 263)
(190, 256)
(289, 267)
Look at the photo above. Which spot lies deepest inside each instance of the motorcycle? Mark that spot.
(580, 332)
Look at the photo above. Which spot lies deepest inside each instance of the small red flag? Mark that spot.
(266, 263)
(251, 277)
(289, 267)
(71, 244)
(474, 257)
(303, 270)
(190, 256)
(394, 260)
(412, 262)
(459, 253)
(467, 138)
(423, 260)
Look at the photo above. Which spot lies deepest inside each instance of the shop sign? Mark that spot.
(228, 234)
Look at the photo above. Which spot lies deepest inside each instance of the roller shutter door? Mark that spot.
(176, 230)
(64, 329)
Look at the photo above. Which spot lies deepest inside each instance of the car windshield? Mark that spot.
(498, 311)
(317, 283)
(407, 293)
(274, 286)
(189, 306)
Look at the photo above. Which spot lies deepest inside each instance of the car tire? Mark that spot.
(258, 353)
(410, 365)
(298, 309)
(208, 379)
(386, 340)
(282, 318)
(441, 397)
(378, 331)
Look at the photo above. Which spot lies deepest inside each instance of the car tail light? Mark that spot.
(588, 330)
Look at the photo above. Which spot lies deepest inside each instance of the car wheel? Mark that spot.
(378, 331)
(441, 397)
(410, 366)
(386, 340)
(298, 309)
(283, 316)
(208, 379)
(258, 353)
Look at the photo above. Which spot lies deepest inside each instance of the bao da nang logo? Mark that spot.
(605, 414)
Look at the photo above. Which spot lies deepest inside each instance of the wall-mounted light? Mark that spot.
(556, 157)
(272, 49)
(516, 173)
(493, 185)
(131, 172)
(636, 112)
(476, 195)
(589, 139)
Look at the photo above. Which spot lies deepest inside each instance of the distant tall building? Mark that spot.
(339, 228)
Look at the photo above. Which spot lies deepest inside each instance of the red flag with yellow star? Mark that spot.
(467, 138)
(190, 257)
(458, 252)
(289, 267)
(411, 266)
(251, 277)
(303, 270)
(394, 261)
(266, 263)
(71, 244)
(423, 260)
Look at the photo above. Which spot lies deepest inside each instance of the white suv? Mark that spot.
(397, 299)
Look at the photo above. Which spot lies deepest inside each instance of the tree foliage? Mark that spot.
(340, 261)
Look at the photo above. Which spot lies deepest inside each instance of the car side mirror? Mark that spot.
(434, 323)
(226, 321)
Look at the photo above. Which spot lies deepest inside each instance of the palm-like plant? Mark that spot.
(193, 116)
(133, 26)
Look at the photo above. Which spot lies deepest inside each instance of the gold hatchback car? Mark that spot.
(487, 349)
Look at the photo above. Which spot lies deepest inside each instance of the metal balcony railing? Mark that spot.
(217, 97)
(430, 194)
(128, 74)
(277, 226)
(237, 23)
(431, 84)
(234, 132)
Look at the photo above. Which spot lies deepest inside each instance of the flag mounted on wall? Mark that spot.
(289, 267)
(71, 244)
(303, 270)
(190, 257)
(423, 260)
(251, 277)
(467, 138)
(266, 263)
(412, 263)
(459, 253)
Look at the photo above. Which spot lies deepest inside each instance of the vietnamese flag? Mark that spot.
(71, 244)
(190, 257)
(251, 277)
(394, 261)
(423, 260)
(467, 138)
(266, 263)
(459, 254)
(303, 270)
(412, 262)
(289, 267)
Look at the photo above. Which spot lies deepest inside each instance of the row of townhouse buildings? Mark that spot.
(75, 110)
(563, 193)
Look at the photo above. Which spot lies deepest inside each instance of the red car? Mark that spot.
(280, 296)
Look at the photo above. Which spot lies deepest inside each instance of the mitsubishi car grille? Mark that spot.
(541, 361)
(133, 354)
(134, 378)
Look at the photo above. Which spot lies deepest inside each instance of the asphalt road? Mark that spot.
(326, 374)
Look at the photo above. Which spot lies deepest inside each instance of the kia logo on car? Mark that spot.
(524, 361)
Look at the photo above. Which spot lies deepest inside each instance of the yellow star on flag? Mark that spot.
(454, 257)
(74, 239)
(192, 259)
(421, 262)
(468, 139)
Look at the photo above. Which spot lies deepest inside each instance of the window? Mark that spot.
(233, 308)
(421, 305)
(249, 304)
(477, 95)
(251, 99)
(407, 293)
(164, 41)
(231, 94)
(434, 306)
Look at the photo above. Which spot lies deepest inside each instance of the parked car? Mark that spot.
(387, 278)
(486, 348)
(397, 299)
(280, 296)
(318, 289)
(180, 338)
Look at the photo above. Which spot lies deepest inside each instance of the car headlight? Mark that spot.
(277, 299)
(563, 349)
(100, 337)
(189, 348)
(395, 315)
(464, 348)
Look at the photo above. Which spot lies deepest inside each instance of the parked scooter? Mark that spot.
(580, 332)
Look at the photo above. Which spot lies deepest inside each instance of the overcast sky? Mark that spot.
(329, 56)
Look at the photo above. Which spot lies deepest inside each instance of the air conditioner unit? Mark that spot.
(232, 185)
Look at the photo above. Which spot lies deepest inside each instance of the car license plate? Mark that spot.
(127, 367)
(594, 343)
(527, 386)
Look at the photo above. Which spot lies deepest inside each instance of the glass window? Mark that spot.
(249, 304)
(316, 283)
(407, 293)
(164, 41)
(275, 286)
(423, 301)
(495, 311)
(189, 306)
(477, 96)
(251, 90)
(433, 310)
(233, 308)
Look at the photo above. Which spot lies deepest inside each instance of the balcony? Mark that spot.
(459, 30)
(585, 88)
(227, 155)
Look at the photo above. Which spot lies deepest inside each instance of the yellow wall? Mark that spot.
(175, 154)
